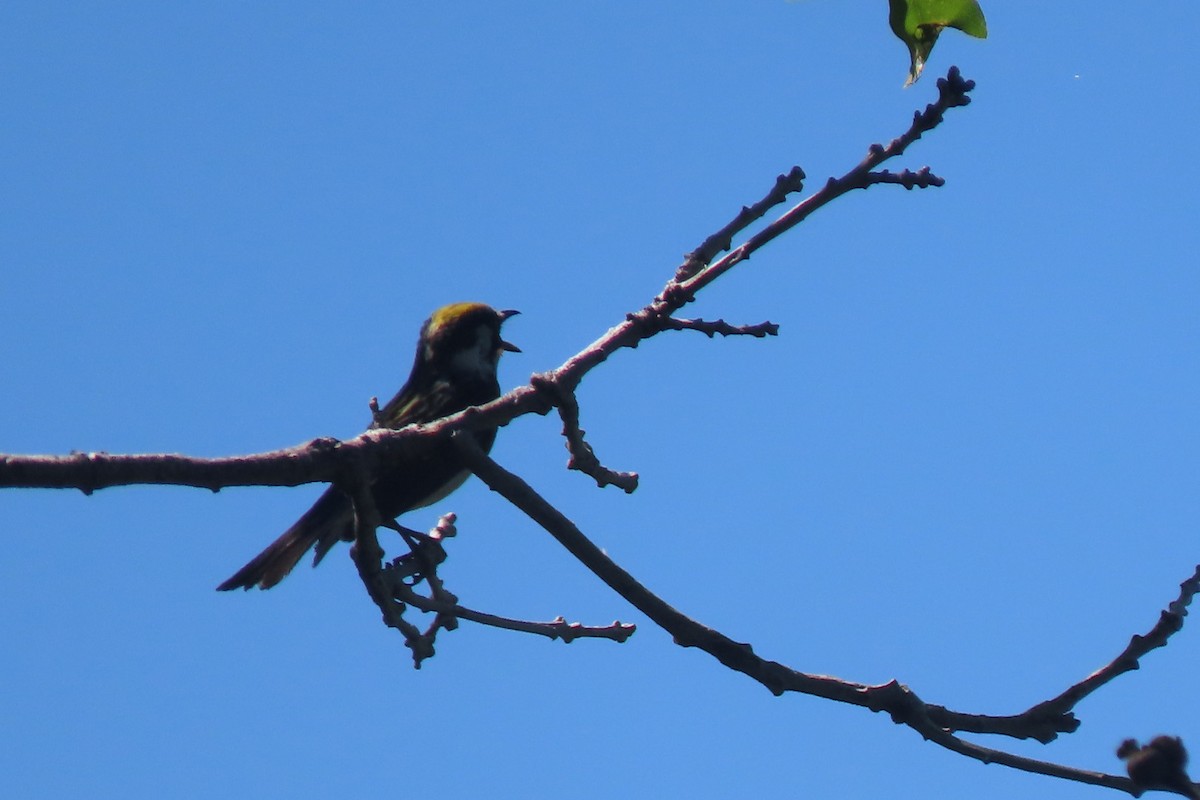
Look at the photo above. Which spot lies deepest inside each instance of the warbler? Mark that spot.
(457, 354)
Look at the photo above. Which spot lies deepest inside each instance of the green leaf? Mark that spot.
(918, 23)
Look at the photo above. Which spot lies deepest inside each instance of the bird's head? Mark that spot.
(462, 340)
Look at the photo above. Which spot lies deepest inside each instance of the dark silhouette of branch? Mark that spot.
(583, 457)
(921, 179)
(393, 585)
(711, 329)
(557, 628)
(722, 240)
(324, 459)
(933, 722)
(1170, 622)
(952, 93)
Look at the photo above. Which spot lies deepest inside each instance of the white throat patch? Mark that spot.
(477, 361)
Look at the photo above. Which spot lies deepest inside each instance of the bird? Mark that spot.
(1161, 764)
(458, 351)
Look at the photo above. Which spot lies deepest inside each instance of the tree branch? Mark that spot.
(321, 459)
(711, 329)
(351, 465)
(933, 722)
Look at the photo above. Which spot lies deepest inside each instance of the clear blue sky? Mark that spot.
(968, 463)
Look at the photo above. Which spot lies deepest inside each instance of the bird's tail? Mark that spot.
(329, 520)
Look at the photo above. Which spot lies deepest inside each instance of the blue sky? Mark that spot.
(969, 461)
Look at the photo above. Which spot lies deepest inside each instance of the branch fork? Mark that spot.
(394, 587)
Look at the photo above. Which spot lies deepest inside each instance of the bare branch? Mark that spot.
(368, 557)
(1046, 720)
(320, 460)
(314, 461)
(583, 457)
(687, 632)
(1170, 622)
(351, 465)
(709, 329)
(557, 628)
(935, 723)
(390, 588)
(693, 262)
(921, 179)
(952, 93)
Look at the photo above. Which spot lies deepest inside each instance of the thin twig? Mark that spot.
(786, 184)
(952, 93)
(582, 456)
(558, 628)
(710, 329)
(368, 557)
(1170, 622)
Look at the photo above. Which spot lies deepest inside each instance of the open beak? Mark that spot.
(509, 346)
